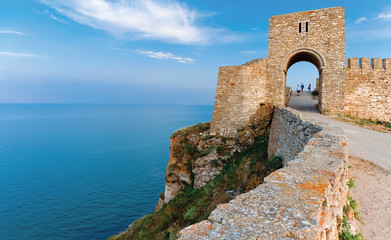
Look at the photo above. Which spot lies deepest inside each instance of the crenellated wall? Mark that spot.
(318, 37)
(368, 88)
(303, 200)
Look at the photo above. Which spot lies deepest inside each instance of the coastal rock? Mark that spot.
(177, 172)
(159, 204)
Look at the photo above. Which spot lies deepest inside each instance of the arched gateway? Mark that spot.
(318, 37)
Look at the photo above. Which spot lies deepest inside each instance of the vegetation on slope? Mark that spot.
(349, 212)
(244, 171)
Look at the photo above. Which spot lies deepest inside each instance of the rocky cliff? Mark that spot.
(204, 171)
(196, 157)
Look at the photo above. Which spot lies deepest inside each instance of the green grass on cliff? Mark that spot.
(200, 127)
(243, 172)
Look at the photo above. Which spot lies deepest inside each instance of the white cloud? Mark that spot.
(249, 52)
(52, 16)
(384, 16)
(361, 20)
(169, 20)
(20, 55)
(58, 19)
(165, 56)
(11, 32)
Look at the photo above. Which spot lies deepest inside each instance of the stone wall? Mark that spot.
(303, 200)
(368, 89)
(239, 91)
(289, 134)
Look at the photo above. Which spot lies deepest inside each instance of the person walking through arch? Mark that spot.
(298, 90)
(309, 87)
(302, 87)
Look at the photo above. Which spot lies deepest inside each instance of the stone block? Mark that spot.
(353, 62)
(364, 63)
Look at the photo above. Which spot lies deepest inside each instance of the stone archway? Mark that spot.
(306, 55)
(317, 37)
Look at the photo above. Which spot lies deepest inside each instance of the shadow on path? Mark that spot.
(305, 102)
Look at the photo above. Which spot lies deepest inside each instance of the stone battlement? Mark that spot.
(365, 64)
(368, 88)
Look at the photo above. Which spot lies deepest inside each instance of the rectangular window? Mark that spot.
(299, 27)
(306, 26)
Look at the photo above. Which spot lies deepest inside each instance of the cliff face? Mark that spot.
(196, 157)
(205, 171)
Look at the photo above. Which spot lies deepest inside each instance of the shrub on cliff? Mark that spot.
(244, 171)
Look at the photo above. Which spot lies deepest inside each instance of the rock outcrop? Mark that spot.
(196, 157)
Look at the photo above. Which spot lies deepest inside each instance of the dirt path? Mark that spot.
(373, 196)
(370, 161)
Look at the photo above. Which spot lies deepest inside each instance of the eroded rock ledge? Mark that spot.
(303, 200)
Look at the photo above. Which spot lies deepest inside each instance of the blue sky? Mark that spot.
(153, 51)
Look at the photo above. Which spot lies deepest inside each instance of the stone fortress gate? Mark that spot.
(318, 37)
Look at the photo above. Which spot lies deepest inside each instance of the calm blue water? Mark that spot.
(83, 171)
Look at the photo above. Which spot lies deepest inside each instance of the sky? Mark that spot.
(154, 51)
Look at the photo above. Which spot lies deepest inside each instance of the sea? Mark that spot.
(84, 171)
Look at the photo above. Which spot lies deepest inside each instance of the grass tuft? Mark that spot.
(351, 183)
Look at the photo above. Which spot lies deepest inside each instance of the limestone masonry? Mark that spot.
(303, 200)
(318, 37)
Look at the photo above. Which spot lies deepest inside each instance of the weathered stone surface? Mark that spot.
(368, 89)
(206, 169)
(239, 91)
(289, 134)
(159, 204)
(258, 125)
(303, 200)
(177, 171)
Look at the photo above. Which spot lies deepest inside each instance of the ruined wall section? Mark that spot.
(368, 89)
(325, 37)
(303, 200)
(289, 134)
(239, 91)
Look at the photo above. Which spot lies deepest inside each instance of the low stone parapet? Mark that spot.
(303, 200)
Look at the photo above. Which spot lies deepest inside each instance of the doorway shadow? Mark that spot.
(305, 102)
